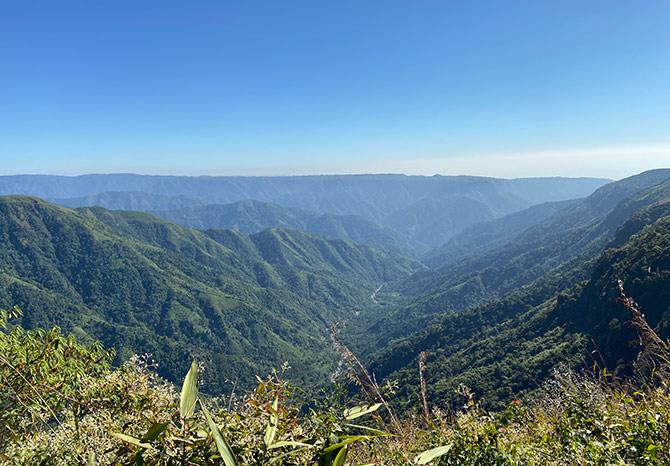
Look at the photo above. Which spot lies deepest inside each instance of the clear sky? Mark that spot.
(513, 88)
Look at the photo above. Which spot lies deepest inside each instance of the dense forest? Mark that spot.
(63, 404)
(243, 304)
(535, 334)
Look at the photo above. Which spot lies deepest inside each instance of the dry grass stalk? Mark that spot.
(654, 358)
(422, 382)
(361, 376)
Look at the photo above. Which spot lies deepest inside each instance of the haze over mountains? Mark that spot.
(421, 212)
(497, 280)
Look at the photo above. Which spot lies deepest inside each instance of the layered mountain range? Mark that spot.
(421, 212)
(497, 281)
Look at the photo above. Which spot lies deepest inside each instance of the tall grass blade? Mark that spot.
(341, 456)
(224, 449)
(131, 440)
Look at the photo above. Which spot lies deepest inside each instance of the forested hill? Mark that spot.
(511, 343)
(485, 236)
(554, 254)
(245, 303)
(422, 211)
(127, 200)
(254, 216)
(241, 304)
(504, 348)
(247, 216)
(368, 195)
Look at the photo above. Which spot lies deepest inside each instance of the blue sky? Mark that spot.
(515, 88)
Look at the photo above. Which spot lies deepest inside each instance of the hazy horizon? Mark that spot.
(484, 88)
(504, 166)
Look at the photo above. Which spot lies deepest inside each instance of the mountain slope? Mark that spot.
(250, 216)
(511, 344)
(575, 233)
(481, 237)
(552, 256)
(640, 257)
(141, 284)
(502, 349)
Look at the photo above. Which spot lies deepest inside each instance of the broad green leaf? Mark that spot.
(429, 455)
(189, 392)
(224, 449)
(153, 432)
(131, 440)
(358, 411)
(91, 460)
(271, 429)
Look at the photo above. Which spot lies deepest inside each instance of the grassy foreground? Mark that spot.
(62, 404)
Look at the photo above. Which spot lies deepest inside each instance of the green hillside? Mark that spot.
(510, 345)
(510, 332)
(552, 255)
(240, 304)
(129, 200)
(250, 216)
(485, 236)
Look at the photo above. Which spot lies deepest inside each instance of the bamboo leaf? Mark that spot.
(271, 429)
(347, 440)
(224, 449)
(372, 430)
(153, 432)
(189, 392)
(358, 411)
(429, 455)
(131, 440)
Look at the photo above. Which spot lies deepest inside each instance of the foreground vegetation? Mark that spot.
(62, 403)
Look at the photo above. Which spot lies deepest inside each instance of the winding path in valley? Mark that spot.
(373, 296)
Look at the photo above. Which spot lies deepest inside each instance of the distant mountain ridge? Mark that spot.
(130, 200)
(426, 211)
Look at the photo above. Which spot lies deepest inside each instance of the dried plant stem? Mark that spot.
(422, 382)
(361, 377)
(655, 354)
